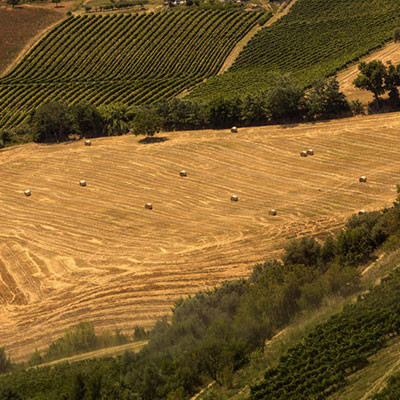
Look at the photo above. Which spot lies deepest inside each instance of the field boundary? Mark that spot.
(282, 11)
(28, 47)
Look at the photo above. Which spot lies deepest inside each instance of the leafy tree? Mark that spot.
(372, 78)
(56, 2)
(9, 394)
(6, 136)
(77, 339)
(36, 358)
(353, 246)
(51, 122)
(12, 3)
(146, 122)
(312, 294)
(5, 363)
(284, 98)
(392, 81)
(327, 253)
(324, 99)
(116, 119)
(396, 35)
(87, 120)
(223, 113)
(182, 114)
(305, 251)
(78, 389)
(254, 109)
(140, 333)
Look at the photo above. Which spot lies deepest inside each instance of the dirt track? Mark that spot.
(283, 10)
(71, 253)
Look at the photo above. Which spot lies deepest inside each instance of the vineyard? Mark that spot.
(134, 59)
(315, 39)
(320, 364)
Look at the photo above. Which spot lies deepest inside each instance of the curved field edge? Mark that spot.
(32, 23)
(129, 58)
(71, 254)
(315, 39)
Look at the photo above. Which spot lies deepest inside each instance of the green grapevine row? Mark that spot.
(134, 59)
(316, 39)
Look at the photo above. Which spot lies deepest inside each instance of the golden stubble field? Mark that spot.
(70, 253)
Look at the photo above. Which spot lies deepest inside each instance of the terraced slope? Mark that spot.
(70, 253)
(122, 58)
(315, 39)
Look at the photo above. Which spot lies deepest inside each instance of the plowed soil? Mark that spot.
(20, 29)
(70, 253)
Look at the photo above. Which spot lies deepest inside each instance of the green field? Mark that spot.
(315, 39)
(129, 58)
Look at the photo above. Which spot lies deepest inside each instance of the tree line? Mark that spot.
(284, 101)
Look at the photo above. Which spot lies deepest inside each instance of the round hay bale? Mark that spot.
(272, 212)
(82, 183)
(310, 152)
(27, 192)
(234, 198)
(363, 179)
(303, 154)
(361, 212)
(234, 129)
(148, 206)
(88, 143)
(183, 173)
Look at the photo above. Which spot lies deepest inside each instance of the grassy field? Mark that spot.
(317, 38)
(31, 21)
(71, 253)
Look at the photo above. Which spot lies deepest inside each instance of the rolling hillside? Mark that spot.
(71, 253)
(31, 21)
(126, 58)
(315, 39)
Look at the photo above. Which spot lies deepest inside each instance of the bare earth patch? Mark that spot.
(20, 27)
(70, 253)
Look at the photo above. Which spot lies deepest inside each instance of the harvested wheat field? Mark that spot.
(70, 253)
